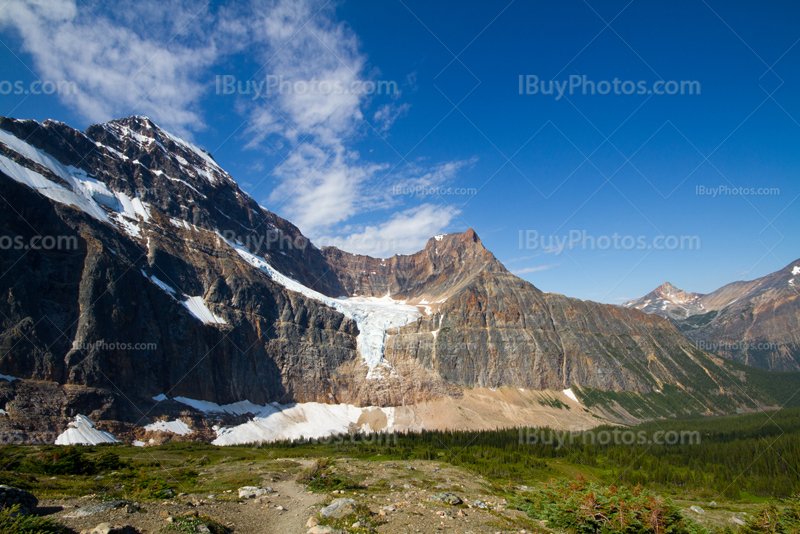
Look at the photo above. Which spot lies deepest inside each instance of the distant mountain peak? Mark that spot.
(674, 294)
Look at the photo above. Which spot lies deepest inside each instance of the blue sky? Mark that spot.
(457, 145)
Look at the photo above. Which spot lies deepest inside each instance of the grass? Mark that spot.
(361, 515)
(321, 477)
(11, 522)
(579, 506)
(189, 522)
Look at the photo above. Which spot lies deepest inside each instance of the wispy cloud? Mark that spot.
(535, 269)
(404, 233)
(122, 62)
(158, 59)
(388, 113)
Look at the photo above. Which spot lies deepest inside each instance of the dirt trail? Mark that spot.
(397, 495)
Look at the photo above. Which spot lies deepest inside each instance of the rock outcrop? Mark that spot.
(165, 280)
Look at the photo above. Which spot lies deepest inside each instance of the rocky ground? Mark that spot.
(394, 497)
(391, 497)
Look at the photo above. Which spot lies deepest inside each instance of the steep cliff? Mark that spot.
(167, 290)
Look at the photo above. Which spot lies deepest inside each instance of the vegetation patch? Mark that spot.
(189, 522)
(11, 522)
(578, 506)
(321, 477)
(362, 515)
(781, 518)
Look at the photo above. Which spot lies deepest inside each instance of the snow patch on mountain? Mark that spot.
(175, 427)
(373, 315)
(197, 307)
(81, 431)
(79, 194)
(570, 394)
(274, 422)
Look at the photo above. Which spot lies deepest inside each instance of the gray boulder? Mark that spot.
(11, 496)
(446, 497)
(339, 508)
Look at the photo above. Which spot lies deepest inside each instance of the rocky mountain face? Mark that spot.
(754, 322)
(134, 272)
(668, 301)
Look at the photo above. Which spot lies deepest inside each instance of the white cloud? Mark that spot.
(405, 233)
(535, 269)
(427, 181)
(117, 71)
(319, 188)
(388, 113)
(158, 59)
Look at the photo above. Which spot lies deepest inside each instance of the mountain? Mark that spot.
(754, 322)
(144, 290)
(668, 301)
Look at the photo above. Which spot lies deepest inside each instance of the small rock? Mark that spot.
(251, 492)
(480, 504)
(339, 508)
(447, 498)
(202, 528)
(736, 520)
(697, 509)
(108, 528)
(324, 530)
(170, 519)
(312, 522)
(93, 509)
(357, 524)
(281, 508)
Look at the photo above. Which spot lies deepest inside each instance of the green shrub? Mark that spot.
(11, 523)
(776, 520)
(583, 507)
(320, 477)
(188, 523)
(71, 461)
(161, 484)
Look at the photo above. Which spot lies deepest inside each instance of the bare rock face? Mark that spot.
(166, 285)
(110, 311)
(488, 328)
(754, 322)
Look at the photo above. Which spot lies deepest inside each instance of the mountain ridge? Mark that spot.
(752, 322)
(238, 305)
